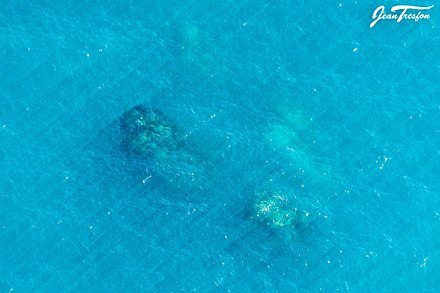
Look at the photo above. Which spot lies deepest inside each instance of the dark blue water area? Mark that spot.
(301, 98)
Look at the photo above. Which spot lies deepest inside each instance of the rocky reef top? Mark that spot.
(146, 132)
(277, 211)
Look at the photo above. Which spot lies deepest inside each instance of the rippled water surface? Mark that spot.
(303, 99)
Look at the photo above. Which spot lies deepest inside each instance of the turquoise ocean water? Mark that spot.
(294, 96)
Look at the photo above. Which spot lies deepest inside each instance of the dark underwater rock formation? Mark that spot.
(277, 211)
(146, 132)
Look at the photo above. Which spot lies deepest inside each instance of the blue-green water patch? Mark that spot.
(302, 99)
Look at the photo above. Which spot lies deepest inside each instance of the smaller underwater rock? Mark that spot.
(277, 211)
(146, 132)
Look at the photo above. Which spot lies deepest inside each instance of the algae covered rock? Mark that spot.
(146, 132)
(277, 211)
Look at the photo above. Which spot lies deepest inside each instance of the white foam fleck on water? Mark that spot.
(147, 178)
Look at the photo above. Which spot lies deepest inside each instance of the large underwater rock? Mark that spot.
(146, 132)
(277, 211)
